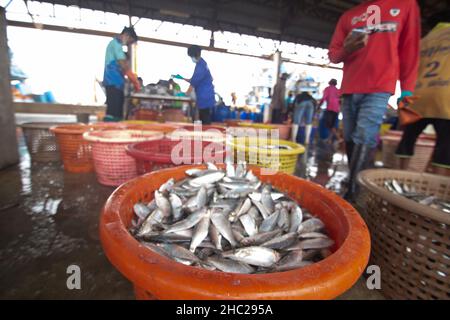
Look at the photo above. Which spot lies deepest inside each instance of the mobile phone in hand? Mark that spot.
(359, 31)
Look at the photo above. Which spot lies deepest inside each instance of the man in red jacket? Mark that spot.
(378, 41)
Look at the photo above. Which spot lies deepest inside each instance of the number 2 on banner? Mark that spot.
(432, 69)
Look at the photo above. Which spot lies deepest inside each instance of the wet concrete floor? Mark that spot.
(49, 221)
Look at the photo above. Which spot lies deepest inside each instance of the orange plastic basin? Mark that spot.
(155, 276)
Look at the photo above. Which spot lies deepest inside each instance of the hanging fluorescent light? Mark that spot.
(174, 13)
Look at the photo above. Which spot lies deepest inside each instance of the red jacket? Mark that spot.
(392, 51)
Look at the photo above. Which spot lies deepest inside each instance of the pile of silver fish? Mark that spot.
(228, 220)
(410, 192)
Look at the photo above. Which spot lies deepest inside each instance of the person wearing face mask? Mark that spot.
(116, 68)
(202, 82)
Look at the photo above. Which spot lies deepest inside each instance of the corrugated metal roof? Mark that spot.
(308, 22)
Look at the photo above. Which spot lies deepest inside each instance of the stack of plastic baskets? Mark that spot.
(165, 153)
(113, 165)
(40, 141)
(75, 151)
(410, 241)
(208, 133)
(277, 155)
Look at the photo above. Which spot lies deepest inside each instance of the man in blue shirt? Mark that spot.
(202, 82)
(116, 67)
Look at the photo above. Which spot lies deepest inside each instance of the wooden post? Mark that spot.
(9, 154)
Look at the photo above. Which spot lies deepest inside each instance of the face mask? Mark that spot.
(194, 60)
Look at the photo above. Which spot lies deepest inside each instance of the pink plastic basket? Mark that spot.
(112, 164)
(157, 154)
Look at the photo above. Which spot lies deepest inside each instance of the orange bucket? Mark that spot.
(155, 276)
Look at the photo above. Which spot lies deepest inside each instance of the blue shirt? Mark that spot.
(113, 75)
(202, 82)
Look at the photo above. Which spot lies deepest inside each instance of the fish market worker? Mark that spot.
(202, 82)
(116, 67)
(378, 42)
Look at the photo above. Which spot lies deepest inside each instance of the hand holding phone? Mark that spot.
(356, 40)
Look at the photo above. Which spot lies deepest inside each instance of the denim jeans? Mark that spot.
(363, 115)
(304, 110)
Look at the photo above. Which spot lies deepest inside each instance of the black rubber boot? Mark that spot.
(349, 145)
(359, 162)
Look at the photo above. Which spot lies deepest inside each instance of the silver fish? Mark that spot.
(292, 260)
(198, 201)
(397, 187)
(156, 248)
(310, 225)
(265, 214)
(201, 231)
(270, 223)
(242, 209)
(226, 220)
(179, 252)
(257, 196)
(224, 227)
(155, 218)
(283, 219)
(296, 218)
(211, 166)
(266, 198)
(249, 224)
(215, 236)
(316, 243)
(240, 170)
(260, 238)
(176, 204)
(253, 212)
(231, 266)
(187, 223)
(209, 178)
(163, 204)
(193, 172)
(281, 242)
(312, 235)
(428, 200)
(141, 210)
(251, 177)
(165, 187)
(257, 256)
(230, 170)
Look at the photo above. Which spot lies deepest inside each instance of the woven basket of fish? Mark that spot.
(41, 141)
(229, 232)
(166, 153)
(278, 155)
(422, 151)
(113, 166)
(408, 215)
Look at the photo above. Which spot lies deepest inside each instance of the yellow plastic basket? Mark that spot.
(257, 153)
(256, 125)
(384, 128)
